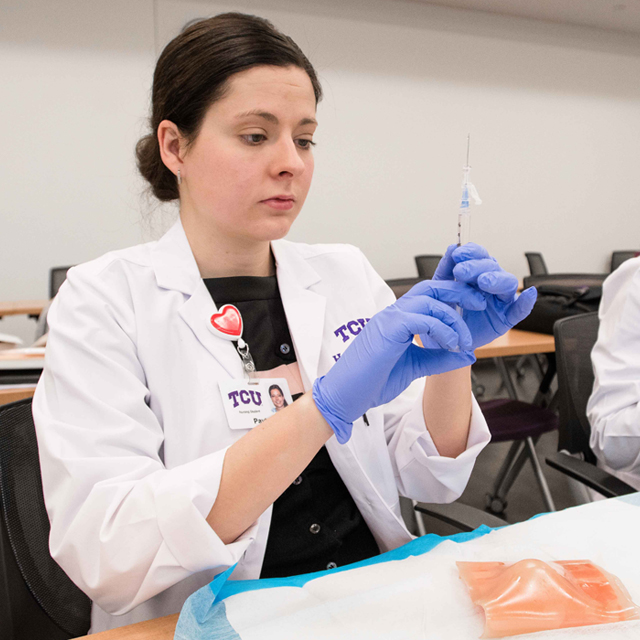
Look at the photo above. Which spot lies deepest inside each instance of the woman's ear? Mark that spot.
(172, 145)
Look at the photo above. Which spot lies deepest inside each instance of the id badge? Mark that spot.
(247, 403)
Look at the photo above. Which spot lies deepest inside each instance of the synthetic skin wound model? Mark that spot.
(532, 595)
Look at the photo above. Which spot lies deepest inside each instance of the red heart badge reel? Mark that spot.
(227, 324)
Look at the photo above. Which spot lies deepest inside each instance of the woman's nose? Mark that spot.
(287, 160)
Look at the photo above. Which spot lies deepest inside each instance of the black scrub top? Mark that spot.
(315, 524)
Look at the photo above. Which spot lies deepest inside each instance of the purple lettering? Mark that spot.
(357, 329)
(256, 400)
(336, 357)
(234, 396)
(342, 331)
(244, 396)
(363, 321)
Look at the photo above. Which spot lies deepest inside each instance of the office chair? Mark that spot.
(39, 600)
(523, 423)
(537, 266)
(427, 265)
(400, 286)
(618, 257)
(575, 337)
(57, 275)
(458, 515)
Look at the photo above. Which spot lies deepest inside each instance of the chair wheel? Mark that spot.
(495, 505)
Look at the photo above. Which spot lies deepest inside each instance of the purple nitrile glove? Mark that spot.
(471, 264)
(382, 361)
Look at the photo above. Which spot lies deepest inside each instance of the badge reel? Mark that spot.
(227, 324)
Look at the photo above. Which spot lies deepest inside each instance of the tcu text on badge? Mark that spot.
(349, 330)
(246, 397)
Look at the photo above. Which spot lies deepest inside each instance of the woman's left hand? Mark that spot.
(472, 265)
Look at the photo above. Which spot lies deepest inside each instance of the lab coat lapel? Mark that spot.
(176, 269)
(304, 308)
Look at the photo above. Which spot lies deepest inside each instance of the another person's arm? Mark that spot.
(614, 406)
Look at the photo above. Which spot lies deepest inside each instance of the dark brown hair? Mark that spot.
(192, 73)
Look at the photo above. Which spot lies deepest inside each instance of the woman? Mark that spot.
(277, 397)
(151, 487)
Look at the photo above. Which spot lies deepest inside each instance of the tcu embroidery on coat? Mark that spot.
(349, 330)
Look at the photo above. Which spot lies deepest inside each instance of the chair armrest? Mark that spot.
(589, 475)
(460, 515)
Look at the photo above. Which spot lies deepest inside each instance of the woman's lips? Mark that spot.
(282, 204)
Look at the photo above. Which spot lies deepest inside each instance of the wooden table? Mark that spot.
(517, 343)
(13, 394)
(158, 629)
(23, 308)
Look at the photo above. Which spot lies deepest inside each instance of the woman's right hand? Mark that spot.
(382, 360)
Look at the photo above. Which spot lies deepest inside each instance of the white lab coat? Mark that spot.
(132, 431)
(614, 405)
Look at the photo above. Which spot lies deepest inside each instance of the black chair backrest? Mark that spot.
(427, 265)
(574, 338)
(57, 275)
(560, 281)
(26, 525)
(537, 266)
(400, 286)
(618, 257)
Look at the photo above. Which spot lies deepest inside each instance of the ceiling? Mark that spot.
(612, 15)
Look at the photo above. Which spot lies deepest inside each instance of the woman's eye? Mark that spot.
(303, 143)
(254, 138)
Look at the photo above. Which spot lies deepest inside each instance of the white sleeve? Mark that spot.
(421, 472)
(614, 406)
(123, 527)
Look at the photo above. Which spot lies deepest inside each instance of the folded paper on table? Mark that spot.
(414, 591)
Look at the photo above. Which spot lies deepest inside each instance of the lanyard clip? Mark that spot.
(247, 360)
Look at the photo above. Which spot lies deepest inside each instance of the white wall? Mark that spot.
(553, 111)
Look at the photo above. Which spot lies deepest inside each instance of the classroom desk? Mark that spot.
(158, 629)
(13, 394)
(18, 369)
(31, 308)
(517, 343)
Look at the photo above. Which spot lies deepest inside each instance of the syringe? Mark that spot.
(464, 215)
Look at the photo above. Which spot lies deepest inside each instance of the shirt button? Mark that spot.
(285, 348)
(314, 528)
(332, 565)
(298, 480)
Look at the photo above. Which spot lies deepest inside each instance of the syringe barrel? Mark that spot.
(464, 224)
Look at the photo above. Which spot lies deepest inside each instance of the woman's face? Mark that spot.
(277, 398)
(248, 172)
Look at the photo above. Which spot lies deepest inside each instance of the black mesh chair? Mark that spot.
(575, 337)
(537, 266)
(427, 265)
(618, 257)
(38, 600)
(400, 286)
(57, 275)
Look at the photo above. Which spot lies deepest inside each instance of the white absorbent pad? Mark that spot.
(421, 596)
